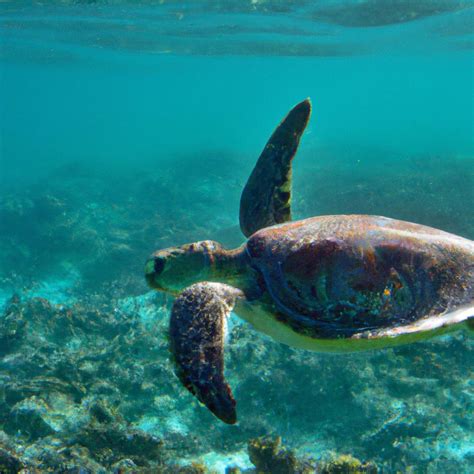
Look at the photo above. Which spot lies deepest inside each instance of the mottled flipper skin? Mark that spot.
(266, 197)
(197, 331)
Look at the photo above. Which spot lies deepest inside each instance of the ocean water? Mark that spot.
(126, 127)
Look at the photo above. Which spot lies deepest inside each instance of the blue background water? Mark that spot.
(128, 114)
(102, 84)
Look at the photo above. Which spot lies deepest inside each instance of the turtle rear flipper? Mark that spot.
(266, 197)
(197, 330)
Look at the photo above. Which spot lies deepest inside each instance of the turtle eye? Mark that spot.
(158, 265)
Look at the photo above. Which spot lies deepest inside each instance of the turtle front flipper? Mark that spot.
(266, 197)
(197, 330)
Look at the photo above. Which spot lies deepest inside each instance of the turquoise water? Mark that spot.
(131, 126)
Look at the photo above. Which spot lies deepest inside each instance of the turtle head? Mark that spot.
(176, 268)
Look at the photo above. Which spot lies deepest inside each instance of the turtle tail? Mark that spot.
(266, 197)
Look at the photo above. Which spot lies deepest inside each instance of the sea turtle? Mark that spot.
(329, 283)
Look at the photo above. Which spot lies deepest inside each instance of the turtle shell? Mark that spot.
(339, 276)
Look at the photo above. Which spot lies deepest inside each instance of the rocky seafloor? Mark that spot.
(86, 384)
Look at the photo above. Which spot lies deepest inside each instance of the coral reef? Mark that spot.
(86, 384)
(10, 461)
(346, 464)
(51, 228)
(269, 456)
(50, 398)
(92, 383)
